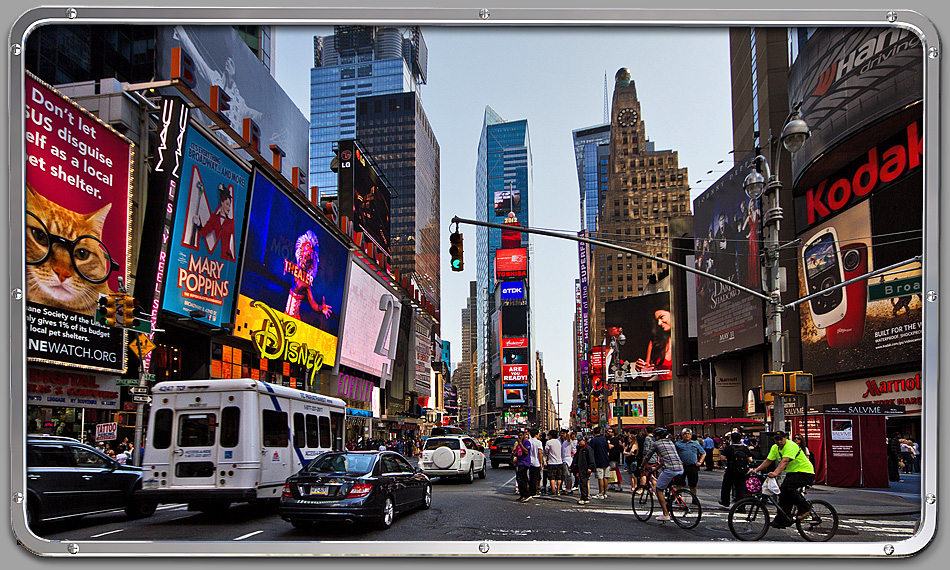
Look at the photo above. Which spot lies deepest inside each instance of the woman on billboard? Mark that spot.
(659, 359)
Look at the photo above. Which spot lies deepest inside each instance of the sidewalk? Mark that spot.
(900, 499)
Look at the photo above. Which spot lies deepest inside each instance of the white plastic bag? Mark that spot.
(771, 487)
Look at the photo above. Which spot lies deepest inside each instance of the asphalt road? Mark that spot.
(484, 510)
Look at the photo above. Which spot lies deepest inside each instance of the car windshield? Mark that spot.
(349, 463)
(432, 443)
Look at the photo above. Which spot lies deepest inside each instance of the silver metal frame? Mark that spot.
(473, 17)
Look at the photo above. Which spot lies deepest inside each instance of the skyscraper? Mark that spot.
(356, 61)
(503, 189)
(645, 188)
(466, 372)
(394, 129)
(592, 153)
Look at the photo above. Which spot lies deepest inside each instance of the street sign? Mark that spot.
(139, 389)
(142, 399)
(895, 288)
(141, 345)
(126, 381)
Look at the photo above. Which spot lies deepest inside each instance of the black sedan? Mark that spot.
(351, 486)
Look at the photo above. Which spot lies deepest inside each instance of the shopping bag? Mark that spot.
(611, 477)
(771, 487)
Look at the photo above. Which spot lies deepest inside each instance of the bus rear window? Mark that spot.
(162, 430)
(230, 426)
(196, 430)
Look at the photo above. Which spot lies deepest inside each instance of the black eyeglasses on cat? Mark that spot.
(89, 255)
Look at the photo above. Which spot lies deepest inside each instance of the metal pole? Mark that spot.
(138, 436)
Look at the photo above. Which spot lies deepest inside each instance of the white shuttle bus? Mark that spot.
(214, 442)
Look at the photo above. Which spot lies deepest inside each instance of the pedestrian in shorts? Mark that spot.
(554, 468)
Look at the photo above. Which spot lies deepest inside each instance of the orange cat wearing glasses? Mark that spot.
(58, 280)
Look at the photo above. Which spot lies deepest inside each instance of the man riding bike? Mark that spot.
(800, 473)
(672, 467)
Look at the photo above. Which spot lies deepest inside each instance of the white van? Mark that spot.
(213, 442)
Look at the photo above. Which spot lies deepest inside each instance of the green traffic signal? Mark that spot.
(455, 250)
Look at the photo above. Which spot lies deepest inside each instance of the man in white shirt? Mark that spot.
(553, 463)
(537, 461)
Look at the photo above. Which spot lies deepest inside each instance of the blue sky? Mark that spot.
(554, 78)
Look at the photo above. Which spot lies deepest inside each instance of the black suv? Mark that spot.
(501, 449)
(66, 478)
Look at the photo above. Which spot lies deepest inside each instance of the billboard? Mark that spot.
(424, 345)
(727, 225)
(514, 321)
(217, 56)
(364, 197)
(206, 240)
(849, 78)
(869, 323)
(646, 351)
(638, 408)
(78, 188)
(512, 291)
(507, 201)
(367, 325)
(292, 281)
(511, 263)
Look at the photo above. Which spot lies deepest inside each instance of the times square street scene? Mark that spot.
(309, 283)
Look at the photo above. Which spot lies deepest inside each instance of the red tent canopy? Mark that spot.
(720, 421)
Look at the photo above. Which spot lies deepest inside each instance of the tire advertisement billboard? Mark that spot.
(78, 189)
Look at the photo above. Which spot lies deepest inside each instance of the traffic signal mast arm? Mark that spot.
(753, 292)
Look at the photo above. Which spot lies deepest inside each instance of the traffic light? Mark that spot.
(455, 250)
(801, 383)
(773, 382)
(128, 311)
(106, 313)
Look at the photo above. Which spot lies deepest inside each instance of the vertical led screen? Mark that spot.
(364, 197)
(78, 182)
(292, 282)
(727, 225)
(515, 366)
(371, 310)
(646, 350)
(206, 241)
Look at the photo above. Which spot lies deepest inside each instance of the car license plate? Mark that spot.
(324, 490)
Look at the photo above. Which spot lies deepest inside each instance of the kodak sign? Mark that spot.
(879, 167)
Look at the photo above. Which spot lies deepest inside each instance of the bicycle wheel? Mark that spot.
(820, 524)
(642, 502)
(749, 519)
(685, 509)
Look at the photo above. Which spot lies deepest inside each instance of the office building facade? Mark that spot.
(356, 61)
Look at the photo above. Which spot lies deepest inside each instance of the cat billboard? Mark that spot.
(78, 197)
(206, 241)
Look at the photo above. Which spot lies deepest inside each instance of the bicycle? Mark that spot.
(749, 517)
(684, 506)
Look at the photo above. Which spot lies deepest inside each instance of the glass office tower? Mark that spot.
(395, 131)
(356, 61)
(503, 187)
(592, 152)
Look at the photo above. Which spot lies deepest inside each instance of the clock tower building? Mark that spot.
(645, 189)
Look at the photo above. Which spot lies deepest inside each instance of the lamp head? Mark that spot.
(754, 184)
(795, 133)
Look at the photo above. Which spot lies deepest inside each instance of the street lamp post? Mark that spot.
(761, 181)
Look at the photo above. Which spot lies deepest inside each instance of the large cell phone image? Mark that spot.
(823, 269)
(847, 332)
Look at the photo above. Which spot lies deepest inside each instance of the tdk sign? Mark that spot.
(512, 290)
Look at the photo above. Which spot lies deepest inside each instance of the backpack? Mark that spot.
(740, 458)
